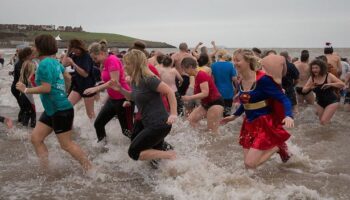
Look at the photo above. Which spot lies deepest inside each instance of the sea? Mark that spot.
(207, 166)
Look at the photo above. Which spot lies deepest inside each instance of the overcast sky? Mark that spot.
(231, 23)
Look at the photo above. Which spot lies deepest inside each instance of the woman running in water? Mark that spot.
(324, 85)
(146, 93)
(112, 70)
(58, 111)
(212, 104)
(82, 77)
(262, 133)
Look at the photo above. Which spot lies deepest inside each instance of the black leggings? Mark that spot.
(29, 112)
(16, 94)
(111, 108)
(144, 138)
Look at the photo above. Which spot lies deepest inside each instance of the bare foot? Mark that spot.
(8, 122)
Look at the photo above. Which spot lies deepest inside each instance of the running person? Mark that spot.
(304, 74)
(146, 93)
(27, 100)
(212, 104)
(324, 85)
(58, 111)
(112, 70)
(83, 75)
(225, 77)
(262, 133)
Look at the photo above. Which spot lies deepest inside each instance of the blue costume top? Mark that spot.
(264, 89)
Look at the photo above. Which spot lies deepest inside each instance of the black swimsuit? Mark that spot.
(325, 97)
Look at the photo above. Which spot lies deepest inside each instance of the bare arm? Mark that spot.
(165, 89)
(335, 82)
(114, 77)
(42, 89)
(215, 49)
(204, 92)
(178, 76)
(308, 86)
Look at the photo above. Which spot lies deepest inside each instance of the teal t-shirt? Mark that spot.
(51, 71)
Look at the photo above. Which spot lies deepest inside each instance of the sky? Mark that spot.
(230, 23)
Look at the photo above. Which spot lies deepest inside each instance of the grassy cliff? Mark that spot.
(113, 39)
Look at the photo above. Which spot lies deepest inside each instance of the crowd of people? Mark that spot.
(149, 91)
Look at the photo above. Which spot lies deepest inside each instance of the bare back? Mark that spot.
(334, 60)
(275, 66)
(304, 73)
(178, 57)
(168, 75)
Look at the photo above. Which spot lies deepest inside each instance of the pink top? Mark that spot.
(111, 64)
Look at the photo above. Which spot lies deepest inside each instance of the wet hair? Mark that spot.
(167, 61)
(256, 50)
(323, 67)
(304, 56)
(141, 46)
(267, 52)
(189, 62)
(222, 53)
(136, 65)
(25, 53)
(344, 59)
(295, 59)
(203, 59)
(285, 54)
(160, 59)
(328, 49)
(46, 45)
(323, 58)
(183, 47)
(248, 56)
(98, 47)
(77, 44)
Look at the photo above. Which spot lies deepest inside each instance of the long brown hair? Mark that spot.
(28, 68)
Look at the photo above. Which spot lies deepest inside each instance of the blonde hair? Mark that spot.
(98, 47)
(248, 56)
(136, 66)
(28, 68)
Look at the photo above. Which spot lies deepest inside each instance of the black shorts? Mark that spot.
(60, 122)
(182, 89)
(347, 98)
(290, 93)
(299, 91)
(219, 102)
(81, 92)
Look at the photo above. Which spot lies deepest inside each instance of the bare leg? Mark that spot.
(151, 154)
(328, 113)
(196, 115)
(73, 149)
(74, 97)
(40, 132)
(214, 116)
(319, 111)
(310, 98)
(256, 157)
(89, 106)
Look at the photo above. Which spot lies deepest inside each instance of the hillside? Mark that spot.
(11, 39)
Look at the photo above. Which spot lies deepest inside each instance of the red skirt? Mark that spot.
(262, 133)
